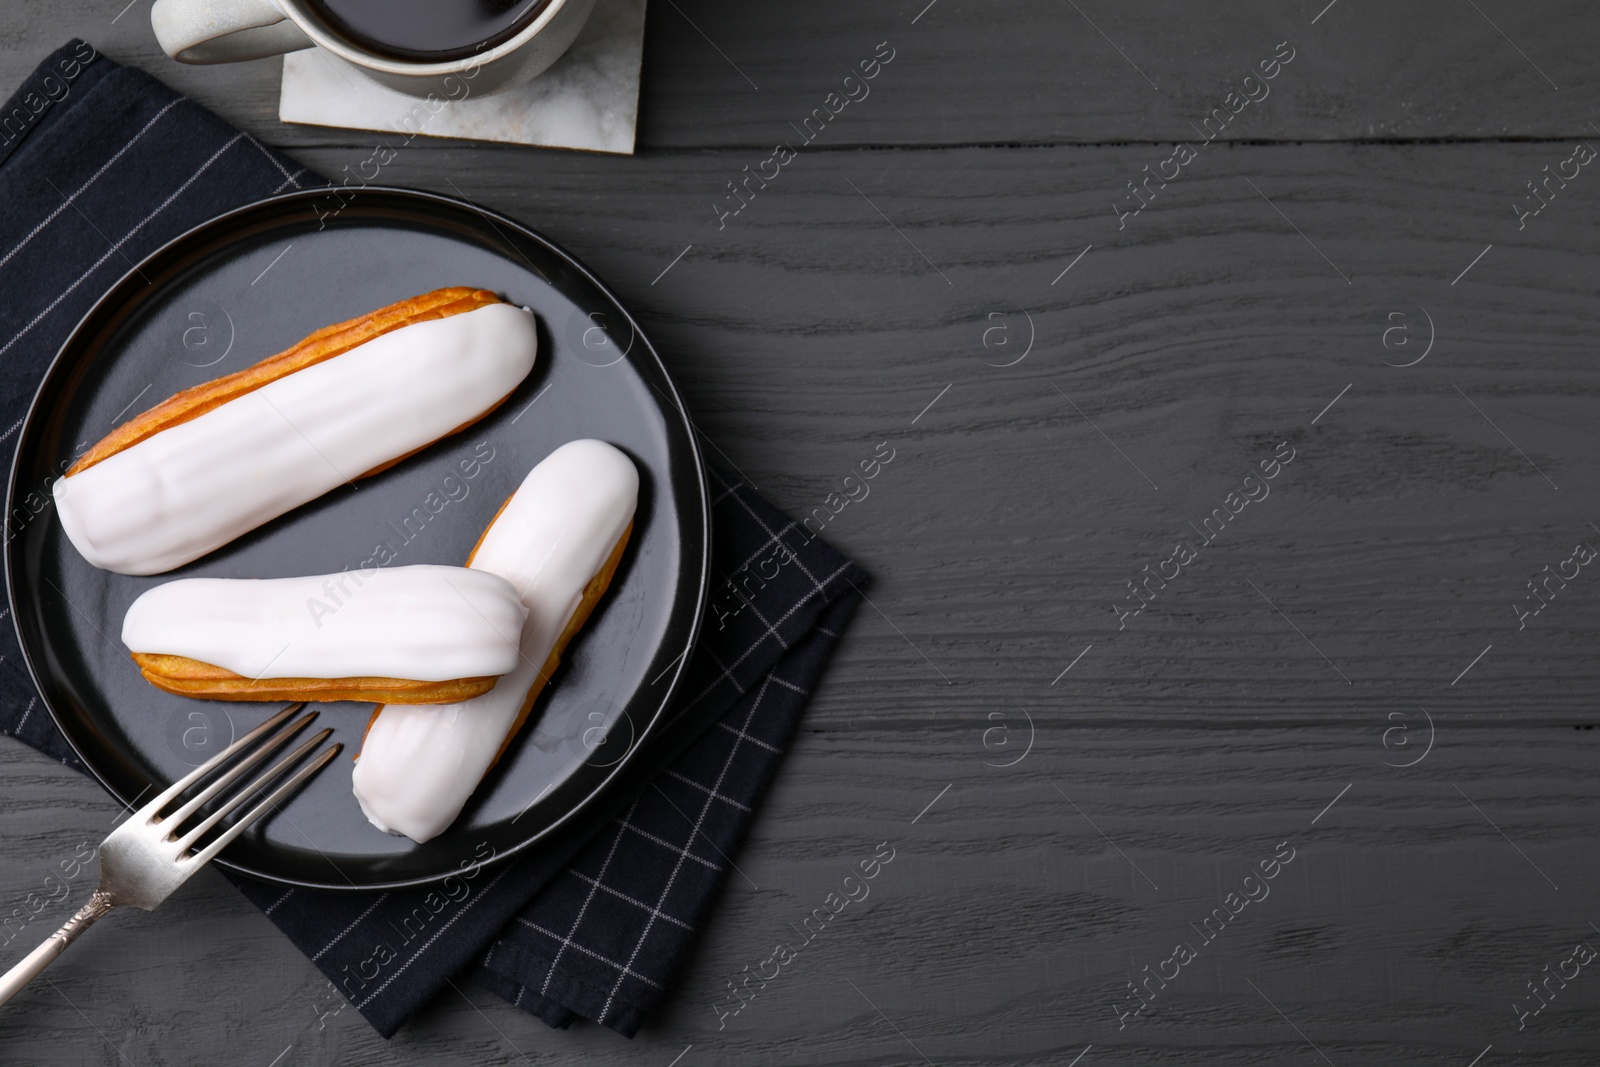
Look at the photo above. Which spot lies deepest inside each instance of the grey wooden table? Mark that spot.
(1088, 745)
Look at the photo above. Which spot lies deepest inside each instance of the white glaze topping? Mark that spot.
(425, 623)
(419, 764)
(194, 487)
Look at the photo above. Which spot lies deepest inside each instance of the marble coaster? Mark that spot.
(588, 100)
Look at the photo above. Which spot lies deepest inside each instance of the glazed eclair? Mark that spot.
(219, 459)
(419, 634)
(558, 540)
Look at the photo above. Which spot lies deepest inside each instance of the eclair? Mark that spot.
(219, 459)
(403, 635)
(558, 540)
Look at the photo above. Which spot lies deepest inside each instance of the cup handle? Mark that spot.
(224, 31)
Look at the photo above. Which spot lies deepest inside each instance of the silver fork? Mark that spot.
(145, 859)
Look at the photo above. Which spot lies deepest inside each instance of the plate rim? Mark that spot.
(425, 199)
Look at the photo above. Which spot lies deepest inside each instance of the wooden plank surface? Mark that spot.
(724, 73)
(1067, 799)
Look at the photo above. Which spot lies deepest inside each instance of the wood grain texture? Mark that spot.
(722, 73)
(870, 296)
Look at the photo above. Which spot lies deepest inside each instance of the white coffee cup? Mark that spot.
(226, 31)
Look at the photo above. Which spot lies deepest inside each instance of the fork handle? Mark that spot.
(37, 960)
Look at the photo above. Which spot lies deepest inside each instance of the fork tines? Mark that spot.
(257, 745)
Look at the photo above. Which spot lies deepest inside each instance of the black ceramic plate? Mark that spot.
(249, 284)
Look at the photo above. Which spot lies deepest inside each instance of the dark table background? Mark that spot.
(907, 257)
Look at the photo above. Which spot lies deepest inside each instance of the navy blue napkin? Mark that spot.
(102, 164)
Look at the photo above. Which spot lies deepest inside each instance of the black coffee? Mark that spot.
(428, 30)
